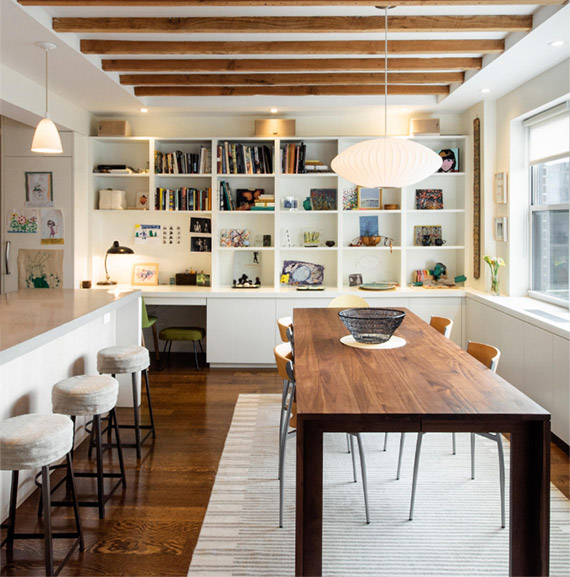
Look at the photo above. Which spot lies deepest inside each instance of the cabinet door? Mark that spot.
(440, 307)
(241, 331)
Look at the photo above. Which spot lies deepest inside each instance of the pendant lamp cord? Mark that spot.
(385, 71)
(47, 113)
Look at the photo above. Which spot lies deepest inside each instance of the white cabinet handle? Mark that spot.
(7, 256)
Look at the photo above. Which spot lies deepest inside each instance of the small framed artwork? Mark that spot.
(501, 187)
(145, 274)
(369, 198)
(39, 189)
(427, 235)
(200, 225)
(142, 201)
(200, 244)
(429, 199)
(323, 198)
(501, 228)
(449, 160)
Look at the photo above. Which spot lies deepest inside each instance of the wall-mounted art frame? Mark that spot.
(501, 228)
(145, 274)
(369, 198)
(501, 187)
(39, 189)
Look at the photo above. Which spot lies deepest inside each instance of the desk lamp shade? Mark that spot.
(46, 137)
(115, 249)
(386, 162)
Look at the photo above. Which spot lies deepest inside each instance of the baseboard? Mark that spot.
(560, 443)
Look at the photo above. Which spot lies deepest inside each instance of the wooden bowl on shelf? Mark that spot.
(391, 206)
(371, 240)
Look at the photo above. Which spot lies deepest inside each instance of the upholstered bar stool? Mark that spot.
(131, 359)
(29, 442)
(95, 395)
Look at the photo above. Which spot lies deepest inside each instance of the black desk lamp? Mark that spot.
(115, 249)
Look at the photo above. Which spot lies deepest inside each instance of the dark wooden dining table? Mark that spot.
(430, 384)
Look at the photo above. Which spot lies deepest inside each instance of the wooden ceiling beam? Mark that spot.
(371, 47)
(293, 25)
(288, 79)
(322, 3)
(328, 90)
(289, 65)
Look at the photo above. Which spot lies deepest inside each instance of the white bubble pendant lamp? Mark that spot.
(46, 137)
(386, 162)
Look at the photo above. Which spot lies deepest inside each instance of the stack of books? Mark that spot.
(315, 166)
(264, 202)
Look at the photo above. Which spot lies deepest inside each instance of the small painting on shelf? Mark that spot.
(369, 198)
(247, 269)
(429, 199)
(323, 198)
(235, 237)
(427, 235)
(145, 274)
(449, 160)
(369, 226)
(298, 273)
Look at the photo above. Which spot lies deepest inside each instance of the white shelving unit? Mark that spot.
(285, 226)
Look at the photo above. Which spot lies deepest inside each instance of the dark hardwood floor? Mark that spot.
(151, 527)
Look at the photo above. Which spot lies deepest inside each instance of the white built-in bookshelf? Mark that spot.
(285, 227)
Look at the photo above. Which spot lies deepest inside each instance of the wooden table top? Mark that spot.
(429, 377)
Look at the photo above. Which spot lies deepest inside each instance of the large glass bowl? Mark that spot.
(372, 325)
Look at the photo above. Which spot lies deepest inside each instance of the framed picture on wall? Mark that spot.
(501, 228)
(145, 274)
(39, 189)
(501, 187)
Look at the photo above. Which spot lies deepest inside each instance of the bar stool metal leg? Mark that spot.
(47, 521)
(145, 372)
(137, 415)
(13, 500)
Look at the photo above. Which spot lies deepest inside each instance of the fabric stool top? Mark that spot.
(34, 440)
(122, 359)
(182, 334)
(85, 395)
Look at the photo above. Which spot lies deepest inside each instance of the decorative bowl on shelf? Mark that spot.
(371, 240)
(372, 325)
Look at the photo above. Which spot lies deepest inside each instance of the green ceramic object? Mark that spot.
(307, 203)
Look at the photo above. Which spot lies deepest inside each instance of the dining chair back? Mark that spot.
(283, 324)
(442, 325)
(485, 354)
(348, 301)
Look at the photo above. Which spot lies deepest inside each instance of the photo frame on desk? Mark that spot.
(145, 274)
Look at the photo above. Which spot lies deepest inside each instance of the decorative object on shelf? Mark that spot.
(117, 249)
(22, 221)
(426, 235)
(501, 228)
(379, 286)
(235, 237)
(424, 126)
(262, 240)
(501, 187)
(307, 203)
(449, 160)
(310, 288)
(439, 242)
(147, 234)
(114, 128)
(330, 243)
(142, 201)
(495, 263)
(439, 270)
(354, 279)
(387, 162)
(266, 240)
(391, 207)
(290, 203)
(145, 274)
(350, 198)
(311, 238)
(371, 240)
(51, 226)
(85, 284)
(323, 198)
(246, 197)
(187, 278)
(203, 279)
(302, 273)
(275, 127)
(46, 137)
(200, 244)
(40, 268)
(368, 226)
(429, 199)
(369, 198)
(247, 269)
(200, 225)
(476, 198)
(372, 325)
(112, 199)
(39, 189)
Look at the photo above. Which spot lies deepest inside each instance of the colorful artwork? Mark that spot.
(145, 274)
(427, 235)
(52, 226)
(323, 198)
(245, 198)
(235, 237)
(368, 226)
(349, 199)
(450, 160)
(247, 269)
(429, 199)
(39, 191)
(22, 221)
(40, 268)
(147, 233)
(369, 198)
(297, 273)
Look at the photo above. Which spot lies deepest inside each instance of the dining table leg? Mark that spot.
(530, 499)
(309, 518)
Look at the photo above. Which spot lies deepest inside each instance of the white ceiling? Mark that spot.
(80, 80)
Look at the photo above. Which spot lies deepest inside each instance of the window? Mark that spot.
(548, 154)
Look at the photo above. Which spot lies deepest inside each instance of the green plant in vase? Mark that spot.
(495, 263)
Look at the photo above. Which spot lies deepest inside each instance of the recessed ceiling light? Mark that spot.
(556, 43)
(274, 110)
(143, 109)
(485, 90)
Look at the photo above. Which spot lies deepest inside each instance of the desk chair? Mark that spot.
(488, 356)
(285, 368)
(149, 322)
(193, 334)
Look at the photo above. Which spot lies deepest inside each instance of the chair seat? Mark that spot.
(122, 359)
(34, 440)
(150, 320)
(85, 395)
(182, 334)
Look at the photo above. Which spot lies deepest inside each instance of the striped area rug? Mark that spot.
(456, 527)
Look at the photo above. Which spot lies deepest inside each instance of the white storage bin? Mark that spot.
(112, 199)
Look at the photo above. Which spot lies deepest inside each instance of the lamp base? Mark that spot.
(106, 283)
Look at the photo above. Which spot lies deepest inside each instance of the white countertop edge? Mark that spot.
(517, 307)
(36, 342)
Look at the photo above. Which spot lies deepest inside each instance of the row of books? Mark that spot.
(237, 158)
(226, 199)
(179, 162)
(294, 160)
(183, 199)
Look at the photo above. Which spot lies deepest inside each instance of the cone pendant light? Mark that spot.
(386, 162)
(46, 137)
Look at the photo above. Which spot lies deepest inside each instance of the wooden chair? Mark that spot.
(284, 359)
(149, 322)
(488, 356)
(348, 301)
(283, 324)
(442, 325)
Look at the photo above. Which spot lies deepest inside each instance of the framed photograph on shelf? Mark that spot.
(145, 274)
(501, 187)
(426, 235)
(369, 198)
(501, 228)
(429, 199)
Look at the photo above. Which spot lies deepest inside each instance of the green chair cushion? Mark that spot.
(182, 334)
